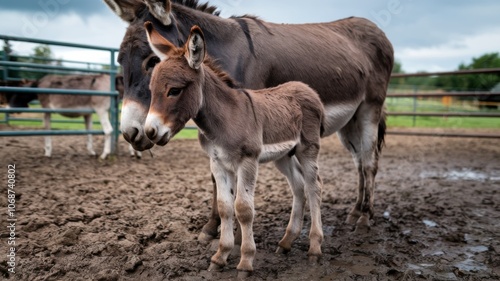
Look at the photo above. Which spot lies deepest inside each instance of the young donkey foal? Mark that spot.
(238, 129)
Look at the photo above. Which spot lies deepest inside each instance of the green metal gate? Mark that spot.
(8, 66)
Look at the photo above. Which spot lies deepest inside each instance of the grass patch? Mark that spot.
(187, 134)
(443, 122)
(393, 105)
(435, 105)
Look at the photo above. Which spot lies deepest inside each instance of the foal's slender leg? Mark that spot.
(360, 136)
(244, 206)
(48, 140)
(226, 181)
(209, 230)
(308, 158)
(88, 127)
(290, 167)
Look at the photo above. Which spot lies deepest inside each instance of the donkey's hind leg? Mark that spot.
(48, 140)
(307, 154)
(290, 167)
(363, 137)
(88, 127)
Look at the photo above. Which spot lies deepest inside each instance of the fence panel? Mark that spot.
(7, 65)
(415, 95)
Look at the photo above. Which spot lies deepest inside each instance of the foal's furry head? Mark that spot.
(175, 84)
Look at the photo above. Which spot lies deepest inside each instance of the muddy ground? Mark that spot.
(78, 218)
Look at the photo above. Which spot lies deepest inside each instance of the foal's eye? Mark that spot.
(152, 62)
(173, 92)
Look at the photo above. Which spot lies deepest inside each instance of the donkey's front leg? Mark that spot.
(209, 230)
(48, 140)
(244, 206)
(108, 130)
(225, 180)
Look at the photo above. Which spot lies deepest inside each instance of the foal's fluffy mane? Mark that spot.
(224, 76)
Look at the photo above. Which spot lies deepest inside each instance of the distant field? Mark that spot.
(435, 105)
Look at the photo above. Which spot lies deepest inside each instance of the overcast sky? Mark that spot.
(427, 34)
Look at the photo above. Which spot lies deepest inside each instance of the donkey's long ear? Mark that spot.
(160, 46)
(160, 9)
(125, 9)
(195, 47)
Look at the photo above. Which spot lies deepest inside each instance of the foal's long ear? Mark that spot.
(160, 9)
(160, 46)
(125, 9)
(195, 48)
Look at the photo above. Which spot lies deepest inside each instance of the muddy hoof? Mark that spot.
(313, 260)
(363, 225)
(205, 237)
(352, 219)
(244, 274)
(215, 267)
(282, 251)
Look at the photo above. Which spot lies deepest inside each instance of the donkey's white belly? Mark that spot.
(337, 116)
(275, 151)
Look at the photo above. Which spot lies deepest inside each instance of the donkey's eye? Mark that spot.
(152, 61)
(173, 92)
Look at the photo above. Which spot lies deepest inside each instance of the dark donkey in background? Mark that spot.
(348, 62)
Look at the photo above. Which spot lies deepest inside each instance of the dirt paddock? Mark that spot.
(437, 214)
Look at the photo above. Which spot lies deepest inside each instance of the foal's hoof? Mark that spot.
(352, 218)
(215, 267)
(313, 260)
(244, 274)
(282, 251)
(205, 237)
(362, 225)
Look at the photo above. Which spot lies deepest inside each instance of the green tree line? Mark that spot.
(472, 82)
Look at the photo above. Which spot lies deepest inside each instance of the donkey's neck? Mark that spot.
(223, 108)
(216, 29)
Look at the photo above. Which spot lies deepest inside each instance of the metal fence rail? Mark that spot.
(8, 65)
(467, 114)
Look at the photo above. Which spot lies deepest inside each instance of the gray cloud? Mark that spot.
(81, 7)
(409, 24)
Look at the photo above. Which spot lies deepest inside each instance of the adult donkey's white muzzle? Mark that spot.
(132, 118)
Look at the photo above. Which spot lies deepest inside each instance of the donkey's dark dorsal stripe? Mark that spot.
(348, 62)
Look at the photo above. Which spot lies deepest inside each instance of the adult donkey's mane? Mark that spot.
(141, 9)
(223, 75)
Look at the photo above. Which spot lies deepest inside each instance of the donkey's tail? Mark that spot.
(381, 131)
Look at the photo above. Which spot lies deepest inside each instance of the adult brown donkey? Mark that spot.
(348, 62)
(238, 129)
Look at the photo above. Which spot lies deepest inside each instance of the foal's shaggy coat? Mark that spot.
(348, 62)
(238, 129)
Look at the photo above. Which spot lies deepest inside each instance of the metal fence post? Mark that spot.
(415, 90)
(5, 75)
(114, 106)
